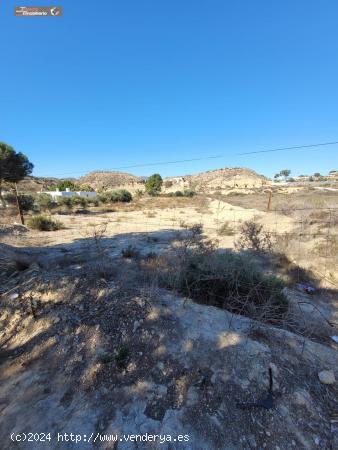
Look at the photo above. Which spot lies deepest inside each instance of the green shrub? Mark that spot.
(189, 193)
(139, 193)
(26, 202)
(121, 356)
(77, 200)
(45, 201)
(86, 187)
(63, 185)
(66, 201)
(154, 184)
(104, 197)
(121, 195)
(43, 223)
(153, 193)
(185, 193)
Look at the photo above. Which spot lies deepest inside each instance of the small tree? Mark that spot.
(13, 166)
(86, 187)
(26, 202)
(154, 183)
(317, 174)
(63, 186)
(285, 173)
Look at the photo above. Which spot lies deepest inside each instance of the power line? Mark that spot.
(290, 148)
(297, 147)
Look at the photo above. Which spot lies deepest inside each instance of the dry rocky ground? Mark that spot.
(91, 344)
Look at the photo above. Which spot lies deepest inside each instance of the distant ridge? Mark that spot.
(219, 179)
(204, 182)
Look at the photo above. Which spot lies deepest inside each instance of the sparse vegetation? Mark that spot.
(79, 201)
(121, 356)
(185, 193)
(228, 280)
(44, 202)
(26, 202)
(253, 237)
(225, 230)
(121, 195)
(130, 252)
(65, 201)
(327, 248)
(43, 223)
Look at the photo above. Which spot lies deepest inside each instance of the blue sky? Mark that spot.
(117, 83)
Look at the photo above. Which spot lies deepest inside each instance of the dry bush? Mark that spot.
(283, 242)
(327, 248)
(150, 214)
(254, 237)
(226, 280)
(43, 223)
(225, 230)
(130, 252)
(319, 216)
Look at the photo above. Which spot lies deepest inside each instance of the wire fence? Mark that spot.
(307, 235)
(309, 241)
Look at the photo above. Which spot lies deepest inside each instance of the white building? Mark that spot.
(69, 193)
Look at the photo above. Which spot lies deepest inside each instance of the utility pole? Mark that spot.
(18, 205)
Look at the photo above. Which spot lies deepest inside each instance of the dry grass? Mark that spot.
(150, 214)
(225, 230)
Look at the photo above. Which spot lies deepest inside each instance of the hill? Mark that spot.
(112, 180)
(36, 184)
(204, 182)
(216, 180)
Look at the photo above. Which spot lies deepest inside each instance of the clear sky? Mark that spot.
(120, 82)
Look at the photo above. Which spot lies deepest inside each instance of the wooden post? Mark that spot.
(18, 205)
(269, 201)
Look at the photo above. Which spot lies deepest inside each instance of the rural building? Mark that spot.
(69, 193)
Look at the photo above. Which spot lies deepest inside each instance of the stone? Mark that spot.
(326, 377)
(252, 441)
(136, 325)
(302, 398)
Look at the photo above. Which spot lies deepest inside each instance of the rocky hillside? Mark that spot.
(112, 180)
(36, 184)
(216, 180)
(207, 182)
(101, 356)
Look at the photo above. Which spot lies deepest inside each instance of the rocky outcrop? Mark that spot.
(217, 180)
